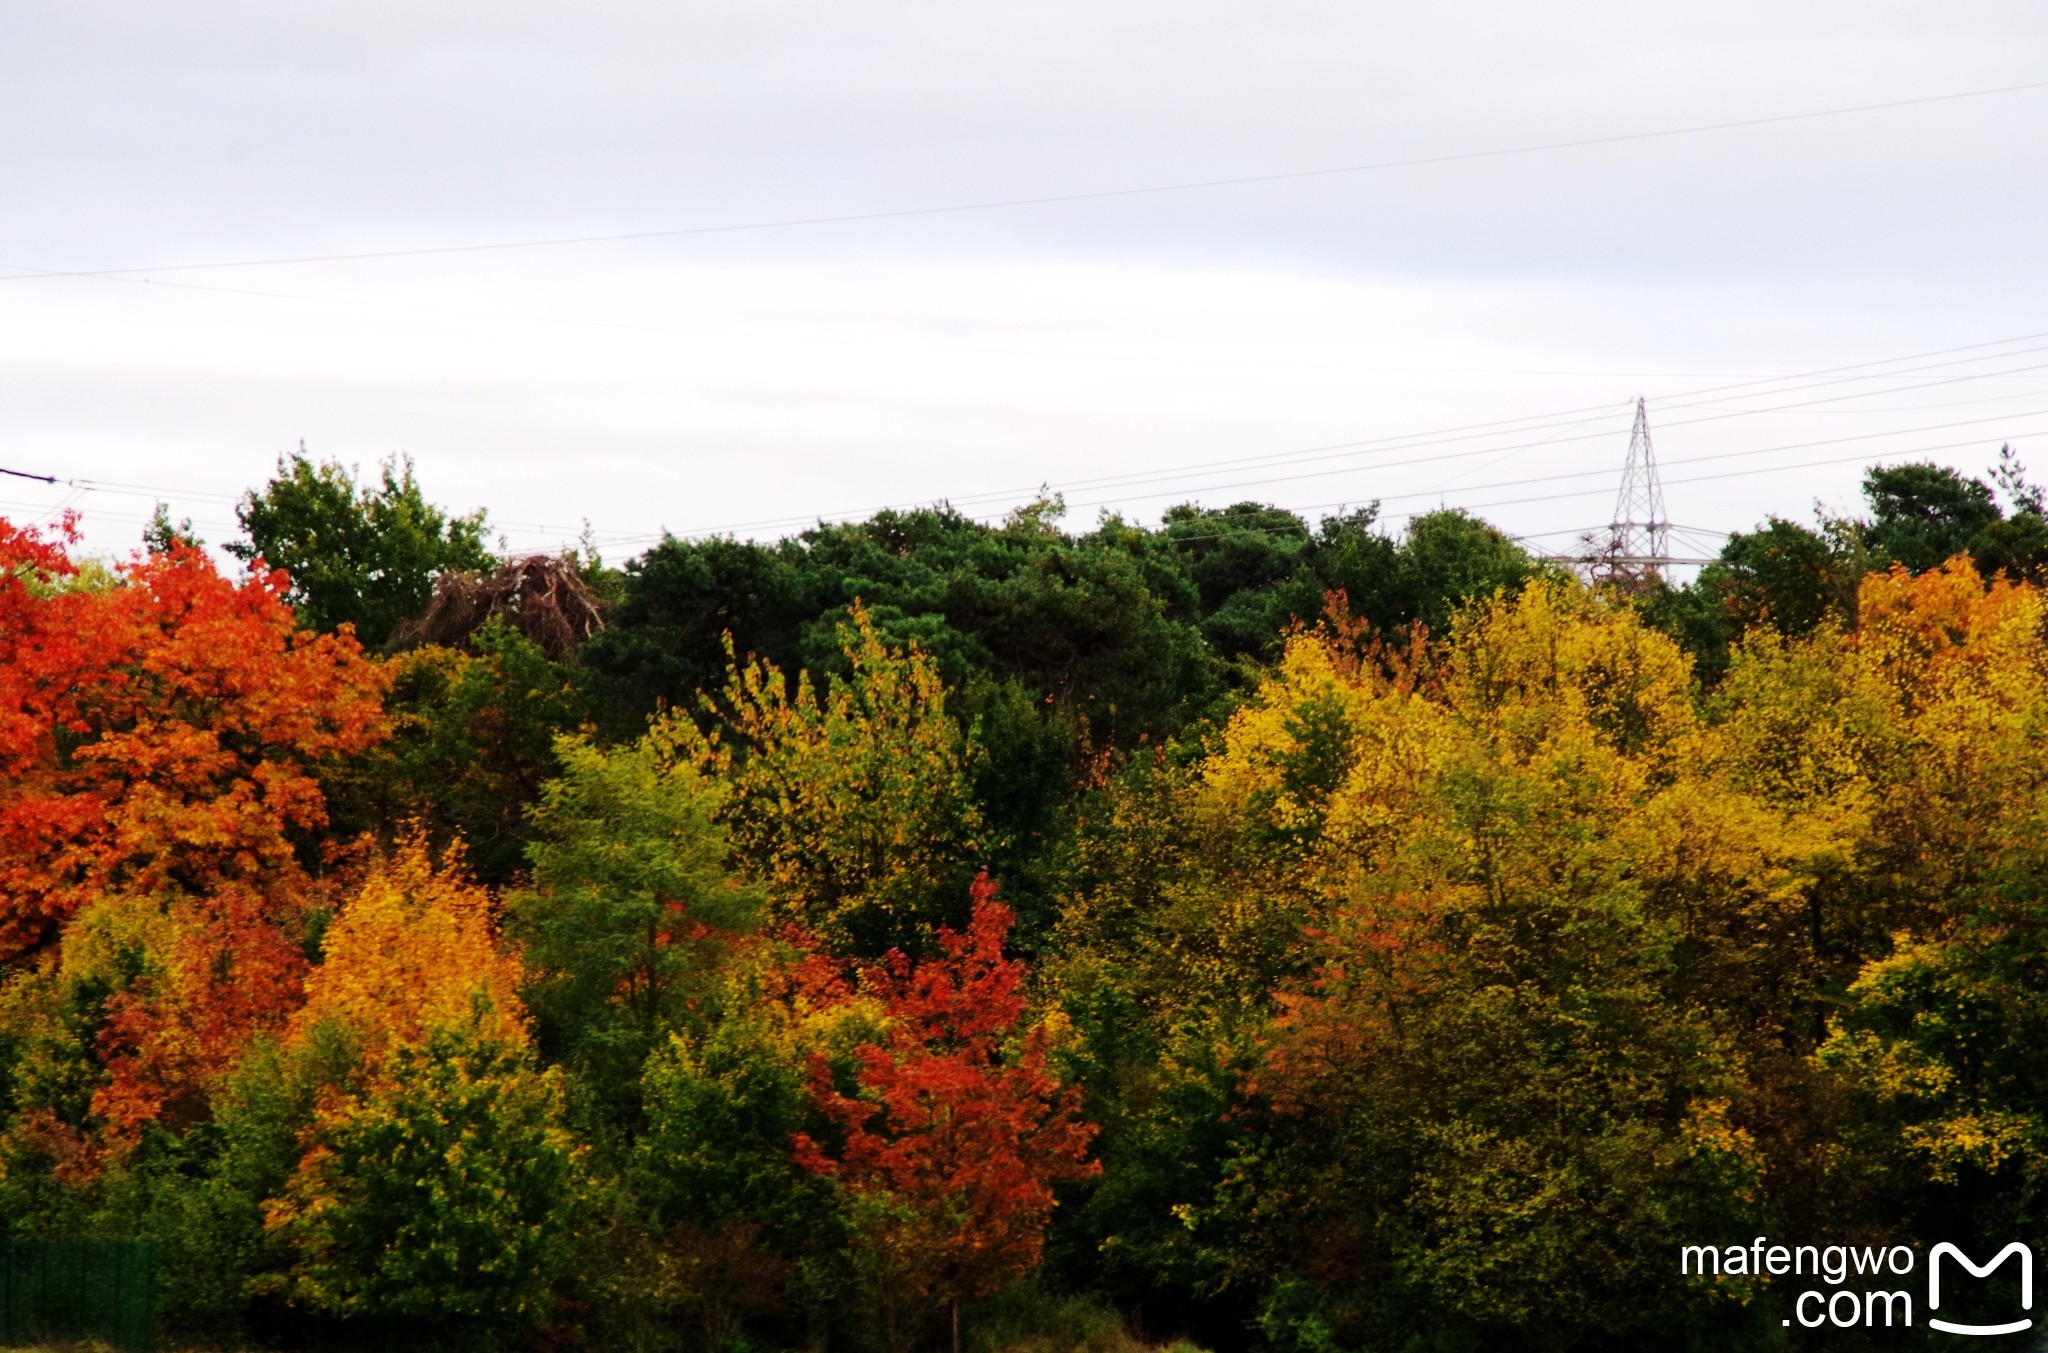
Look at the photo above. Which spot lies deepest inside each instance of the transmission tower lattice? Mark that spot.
(1639, 546)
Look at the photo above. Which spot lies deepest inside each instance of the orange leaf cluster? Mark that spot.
(159, 733)
(960, 1142)
(233, 970)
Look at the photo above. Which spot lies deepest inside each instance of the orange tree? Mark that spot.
(950, 1143)
(1933, 756)
(158, 730)
(162, 729)
(390, 1152)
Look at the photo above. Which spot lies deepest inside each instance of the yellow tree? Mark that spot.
(852, 799)
(436, 1178)
(1489, 1095)
(1940, 1036)
(415, 949)
(1898, 757)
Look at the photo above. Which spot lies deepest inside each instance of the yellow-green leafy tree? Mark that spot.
(435, 1179)
(1940, 1036)
(851, 795)
(1477, 1097)
(632, 908)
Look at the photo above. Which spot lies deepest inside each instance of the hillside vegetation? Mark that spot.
(1281, 935)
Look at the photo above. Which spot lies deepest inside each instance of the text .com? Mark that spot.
(1878, 1297)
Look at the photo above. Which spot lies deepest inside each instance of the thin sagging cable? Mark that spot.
(1269, 480)
(1608, 472)
(1183, 484)
(1377, 446)
(998, 204)
(1858, 371)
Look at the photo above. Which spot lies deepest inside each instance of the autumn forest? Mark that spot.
(1239, 931)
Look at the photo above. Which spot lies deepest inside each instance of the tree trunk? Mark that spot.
(956, 1325)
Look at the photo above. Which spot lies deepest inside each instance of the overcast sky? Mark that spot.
(748, 379)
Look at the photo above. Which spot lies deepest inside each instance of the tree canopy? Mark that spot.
(357, 554)
(1296, 936)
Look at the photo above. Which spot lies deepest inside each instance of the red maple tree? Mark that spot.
(234, 967)
(159, 730)
(959, 1140)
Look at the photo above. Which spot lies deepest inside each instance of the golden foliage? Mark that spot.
(414, 950)
(853, 803)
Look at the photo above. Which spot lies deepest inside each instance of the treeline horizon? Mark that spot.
(921, 932)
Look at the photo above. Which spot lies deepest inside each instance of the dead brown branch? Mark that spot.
(540, 595)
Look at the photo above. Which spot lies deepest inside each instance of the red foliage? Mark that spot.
(960, 1141)
(160, 730)
(158, 734)
(232, 971)
(1376, 965)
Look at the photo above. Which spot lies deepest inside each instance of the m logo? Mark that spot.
(2026, 1257)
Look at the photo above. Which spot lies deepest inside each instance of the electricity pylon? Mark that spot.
(1639, 541)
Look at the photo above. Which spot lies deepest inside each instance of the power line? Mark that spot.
(1844, 374)
(140, 490)
(1415, 441)
(1780, 469)
(1733, 455)
(1863, 458)
(1556, 441)
(1640, 539)
(1523, 500)
(1797, 405)
(997, 204)
(1525, 424)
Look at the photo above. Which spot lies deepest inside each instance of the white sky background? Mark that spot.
(772, 376)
